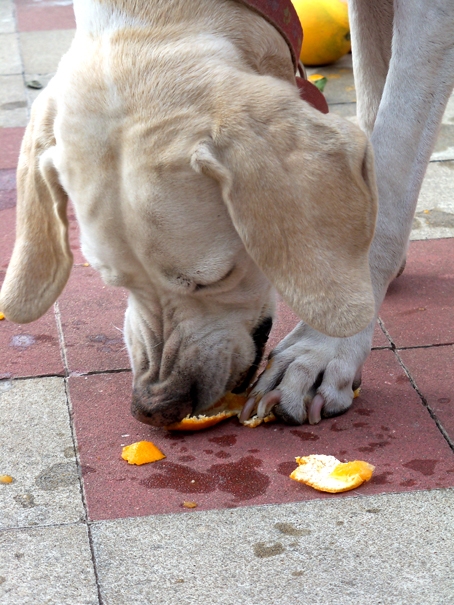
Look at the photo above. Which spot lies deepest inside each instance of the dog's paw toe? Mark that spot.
(310, 376)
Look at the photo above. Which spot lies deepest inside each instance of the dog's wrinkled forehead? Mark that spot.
(175, 234)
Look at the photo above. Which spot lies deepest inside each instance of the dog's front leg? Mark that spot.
(401, 99)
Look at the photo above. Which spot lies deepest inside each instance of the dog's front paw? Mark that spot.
(310, 376)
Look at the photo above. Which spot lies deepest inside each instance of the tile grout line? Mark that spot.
(432, 346)
(70, 375)
(381, 323)
(424, 401)
(76, 450)
(395, 347)
(38, 527)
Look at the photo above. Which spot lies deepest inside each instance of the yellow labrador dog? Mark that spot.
(204, 185)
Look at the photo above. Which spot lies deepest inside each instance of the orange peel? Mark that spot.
(141, 452)
(328, 474)
(228, 406)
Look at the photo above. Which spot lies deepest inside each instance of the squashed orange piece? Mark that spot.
(2, 316)
(228, 406)
(189, 504)
(6, 479)
(141, 452)
(328, 474)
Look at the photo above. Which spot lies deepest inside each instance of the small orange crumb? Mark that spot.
(86, 264)
(328, 474)
(189, 504)
(255, 421)
(6, 479)
(356, 392)
(2, 316)
(141, 452)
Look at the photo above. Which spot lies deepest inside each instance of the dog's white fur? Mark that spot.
(202, 183)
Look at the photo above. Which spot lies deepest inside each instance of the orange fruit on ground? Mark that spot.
(328, 474)
(326, 30)
(6, 479)
(141, 452)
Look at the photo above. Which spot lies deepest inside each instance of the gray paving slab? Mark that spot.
(345, 110)
(10, 61)
(37, 451)
(340, 87)
(32, 93)
(7, 22)
(448, 117)
(381, 550)
(47, 566)
(434, 216)
(13, 102)
(444, 147)
(42, 50)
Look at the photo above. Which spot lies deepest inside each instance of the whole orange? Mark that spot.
(326, 31)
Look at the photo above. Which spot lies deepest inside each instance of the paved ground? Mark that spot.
(81, 527)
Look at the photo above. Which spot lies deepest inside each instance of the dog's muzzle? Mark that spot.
(161, 405)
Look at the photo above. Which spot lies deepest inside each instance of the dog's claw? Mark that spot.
(315, 409)
(248, 409)
(267, 403)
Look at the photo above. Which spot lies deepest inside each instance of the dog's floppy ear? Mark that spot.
(300, 190)
(42, 259)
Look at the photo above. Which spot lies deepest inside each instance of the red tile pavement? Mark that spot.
(53, 15)
(74, 237)
(92, 316)
(10, 142)
(230, 466)
(7, 188)
(433, 372)
(31, 349)
(419, 307)
(7, 236)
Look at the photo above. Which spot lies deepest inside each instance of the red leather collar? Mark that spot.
(282, 15)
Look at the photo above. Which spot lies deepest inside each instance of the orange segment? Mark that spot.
(328, 474)
(345, 470)
(141, 452)
(228, 406)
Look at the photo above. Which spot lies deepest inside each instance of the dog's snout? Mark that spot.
(160, 407)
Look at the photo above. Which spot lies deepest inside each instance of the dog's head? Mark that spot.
(203, 215)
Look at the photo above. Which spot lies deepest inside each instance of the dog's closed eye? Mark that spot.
(218, 282)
